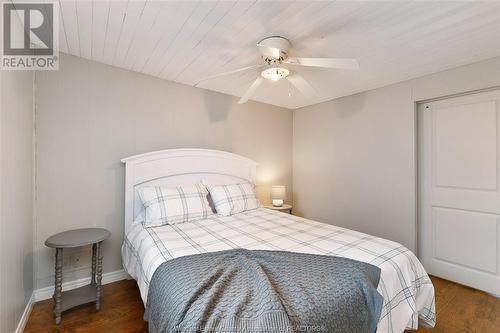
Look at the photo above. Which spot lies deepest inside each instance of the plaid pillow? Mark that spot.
(171, 205)
(234, 198)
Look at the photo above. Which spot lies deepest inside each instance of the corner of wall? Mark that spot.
(293, 158)
(34, 178)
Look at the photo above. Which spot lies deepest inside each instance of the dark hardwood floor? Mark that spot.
(459, 309)
(121, 311)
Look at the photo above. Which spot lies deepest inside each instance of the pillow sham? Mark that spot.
(233, 198)
(172, 205)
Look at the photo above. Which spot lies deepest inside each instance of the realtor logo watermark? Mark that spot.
(30, 33)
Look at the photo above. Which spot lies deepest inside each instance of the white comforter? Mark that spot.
(407, 290)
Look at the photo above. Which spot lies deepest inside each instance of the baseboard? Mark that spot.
(26, 314)
(47, 292)
(494, 295)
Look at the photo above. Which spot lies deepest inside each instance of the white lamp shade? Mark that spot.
(278, 192)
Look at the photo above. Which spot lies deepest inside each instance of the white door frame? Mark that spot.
(416, 103)
(418, 108)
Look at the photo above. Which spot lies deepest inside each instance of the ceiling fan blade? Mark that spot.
(250, 90)
(302, 85)
(270, 52)
(339, 63)
(228, 73)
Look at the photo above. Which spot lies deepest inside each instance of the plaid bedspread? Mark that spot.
(405, 286)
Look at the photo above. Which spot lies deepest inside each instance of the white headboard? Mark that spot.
(180, 167)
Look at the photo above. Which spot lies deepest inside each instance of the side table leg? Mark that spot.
(99, 275)
(94, 259)
(58, 285)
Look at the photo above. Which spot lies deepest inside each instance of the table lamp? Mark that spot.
(278, 194)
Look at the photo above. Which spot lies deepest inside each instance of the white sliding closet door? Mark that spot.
(459, 194)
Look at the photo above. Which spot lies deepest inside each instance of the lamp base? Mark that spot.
(277, 203)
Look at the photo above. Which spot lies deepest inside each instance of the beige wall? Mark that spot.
(354, 157)
(16, 193)
(91, 115)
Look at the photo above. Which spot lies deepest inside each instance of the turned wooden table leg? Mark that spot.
(99, 275)
(85, 294)
(94, 263)
(58, 285)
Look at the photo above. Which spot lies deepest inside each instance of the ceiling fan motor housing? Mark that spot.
(277, 42)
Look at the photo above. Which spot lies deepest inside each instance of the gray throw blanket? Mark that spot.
(263, 291)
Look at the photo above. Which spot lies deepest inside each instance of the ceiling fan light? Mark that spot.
(275, 73)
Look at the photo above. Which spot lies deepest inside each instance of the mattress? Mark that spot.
(404, 284)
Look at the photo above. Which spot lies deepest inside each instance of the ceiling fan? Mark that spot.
(274, 51)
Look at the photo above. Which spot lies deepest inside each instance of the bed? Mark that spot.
(408, 293)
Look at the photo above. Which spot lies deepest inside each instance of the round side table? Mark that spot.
(283, 208)
(89, 293)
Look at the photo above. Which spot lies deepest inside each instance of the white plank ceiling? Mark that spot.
(185, 41)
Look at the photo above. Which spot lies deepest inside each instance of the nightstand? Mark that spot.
(284, 208)
(89, 293)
